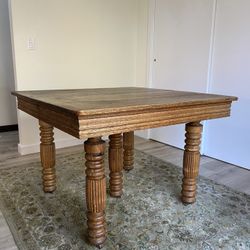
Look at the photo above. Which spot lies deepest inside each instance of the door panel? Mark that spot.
(181, 49)
(228, 139)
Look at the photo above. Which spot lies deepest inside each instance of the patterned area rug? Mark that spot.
(148, 216)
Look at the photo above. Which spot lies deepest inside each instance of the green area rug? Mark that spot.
(148, 216)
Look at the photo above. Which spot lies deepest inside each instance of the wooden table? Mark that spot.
(93, 113)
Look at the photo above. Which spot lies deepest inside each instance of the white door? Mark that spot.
(181, 49)
(229, 139)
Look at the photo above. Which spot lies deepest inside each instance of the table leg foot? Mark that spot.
(128, 146)
(47, 154)
(95, 191)
(115, 165)
(96, 229)
(191, 161)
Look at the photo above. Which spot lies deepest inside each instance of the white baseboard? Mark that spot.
(35, 148)
(142, 133)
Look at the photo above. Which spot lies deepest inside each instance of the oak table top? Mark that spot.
(85, 113)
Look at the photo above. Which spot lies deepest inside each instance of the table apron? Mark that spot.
(99, 125)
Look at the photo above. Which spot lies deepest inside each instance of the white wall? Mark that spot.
(7, 102)
(142, 56)
(228, 139)
(78, 44)
(142, 44)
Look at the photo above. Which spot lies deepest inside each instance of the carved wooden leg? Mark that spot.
(95, 190)
(128, 146)
(115, 165)
(47, 153)
(191, 161)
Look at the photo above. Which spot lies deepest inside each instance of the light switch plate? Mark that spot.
(31, 43)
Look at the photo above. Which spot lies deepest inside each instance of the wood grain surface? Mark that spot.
(86, 113)
(115, 165)
(191, 161)
(47, 155)
(95, 190)
(128, 153)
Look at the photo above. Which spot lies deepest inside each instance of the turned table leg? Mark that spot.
(47, 154)
(95, 191)
(191, 161)
(115, 165)
(128, 146)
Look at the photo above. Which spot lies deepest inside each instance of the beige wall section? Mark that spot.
(142, 51)
(7, 102)
(142, 44)
(78, 44)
